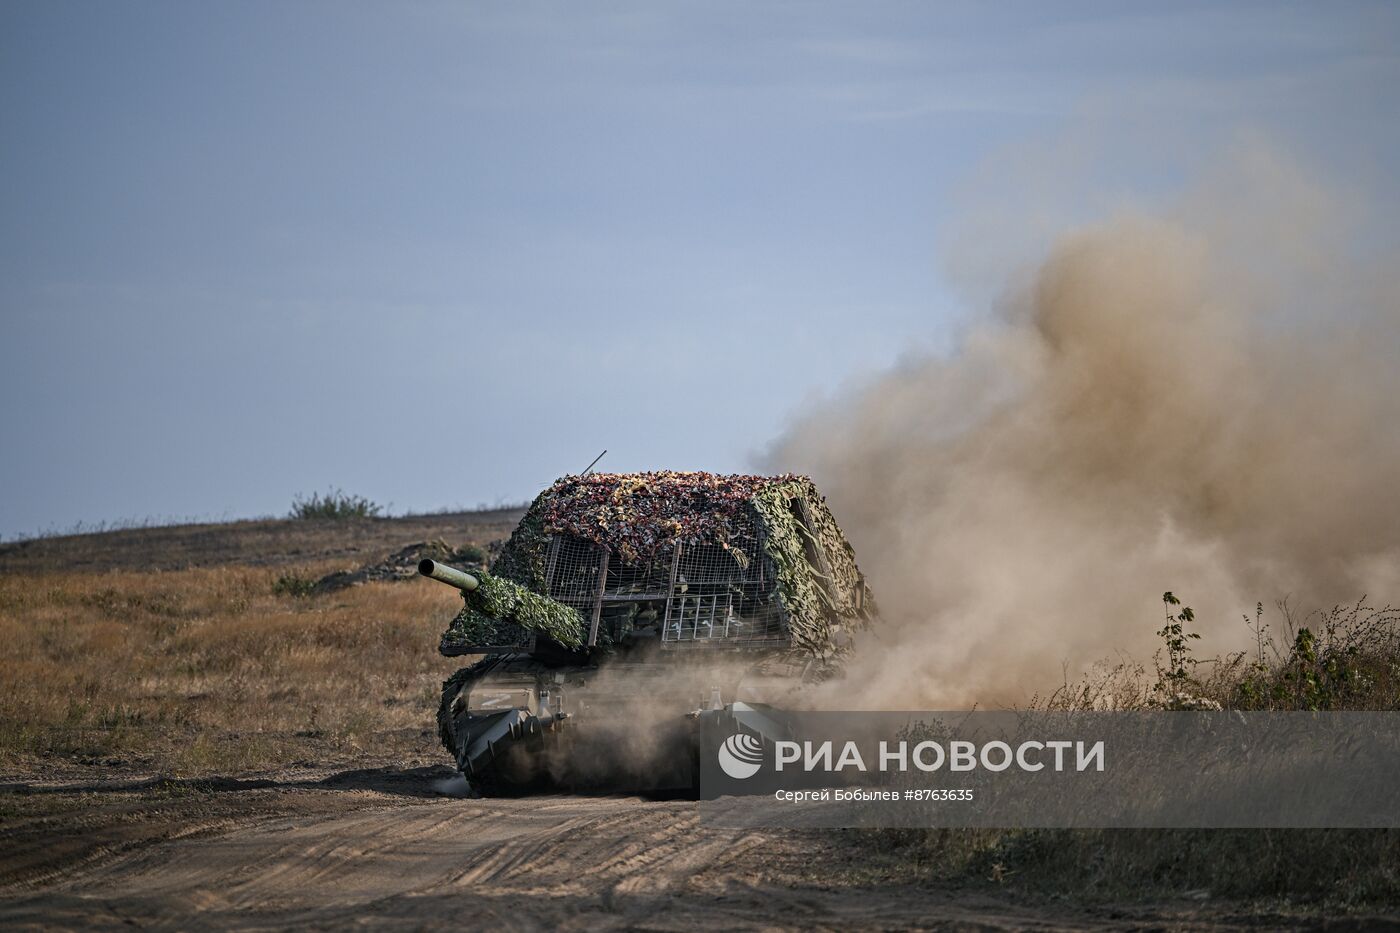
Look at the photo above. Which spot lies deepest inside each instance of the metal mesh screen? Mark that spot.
(647, 579)
(724, 595)
(691, 594)
(573, 572)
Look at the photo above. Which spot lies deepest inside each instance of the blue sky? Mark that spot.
(439, 253)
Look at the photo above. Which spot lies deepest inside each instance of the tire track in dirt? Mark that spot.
(327, 859)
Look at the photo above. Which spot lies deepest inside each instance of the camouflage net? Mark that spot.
(501, 613)
(641, 515)
(524, 555)
(815, 599)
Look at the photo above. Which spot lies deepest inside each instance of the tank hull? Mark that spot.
(514, 724)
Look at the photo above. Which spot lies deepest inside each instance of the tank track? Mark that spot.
(451, 689)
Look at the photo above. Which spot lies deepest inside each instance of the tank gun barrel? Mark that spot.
(449, 575)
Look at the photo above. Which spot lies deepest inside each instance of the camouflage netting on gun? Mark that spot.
(501, 613)
(639, 516)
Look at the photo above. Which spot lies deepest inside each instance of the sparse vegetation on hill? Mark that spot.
(263, 542)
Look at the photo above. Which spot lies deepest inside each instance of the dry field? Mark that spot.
(177, 651)
(209, 670)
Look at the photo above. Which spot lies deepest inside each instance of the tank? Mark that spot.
(629, 610)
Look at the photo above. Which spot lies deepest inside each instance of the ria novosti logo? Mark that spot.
(741, 756)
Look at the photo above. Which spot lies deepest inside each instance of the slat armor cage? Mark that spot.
(696, 593)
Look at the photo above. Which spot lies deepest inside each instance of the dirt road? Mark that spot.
(383, 848)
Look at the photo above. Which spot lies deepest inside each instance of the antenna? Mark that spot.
(589, 468)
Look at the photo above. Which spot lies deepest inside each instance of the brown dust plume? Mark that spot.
(1202, 399)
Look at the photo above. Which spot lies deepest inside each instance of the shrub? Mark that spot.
(334, 504)
(471, 554)
(1343, 658)
(293, 584)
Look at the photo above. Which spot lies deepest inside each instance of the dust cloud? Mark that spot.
(1201, 399)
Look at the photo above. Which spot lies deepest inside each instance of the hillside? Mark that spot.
(262, 542)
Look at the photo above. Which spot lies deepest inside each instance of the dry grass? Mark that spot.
(207, 670)
(1342, 658)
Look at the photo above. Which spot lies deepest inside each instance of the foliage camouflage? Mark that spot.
(523, 557)
(814, 603)
(641, 515)
(500, 613)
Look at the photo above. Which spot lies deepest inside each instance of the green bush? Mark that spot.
(471, 554)
(293, 584)
(335, 504)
